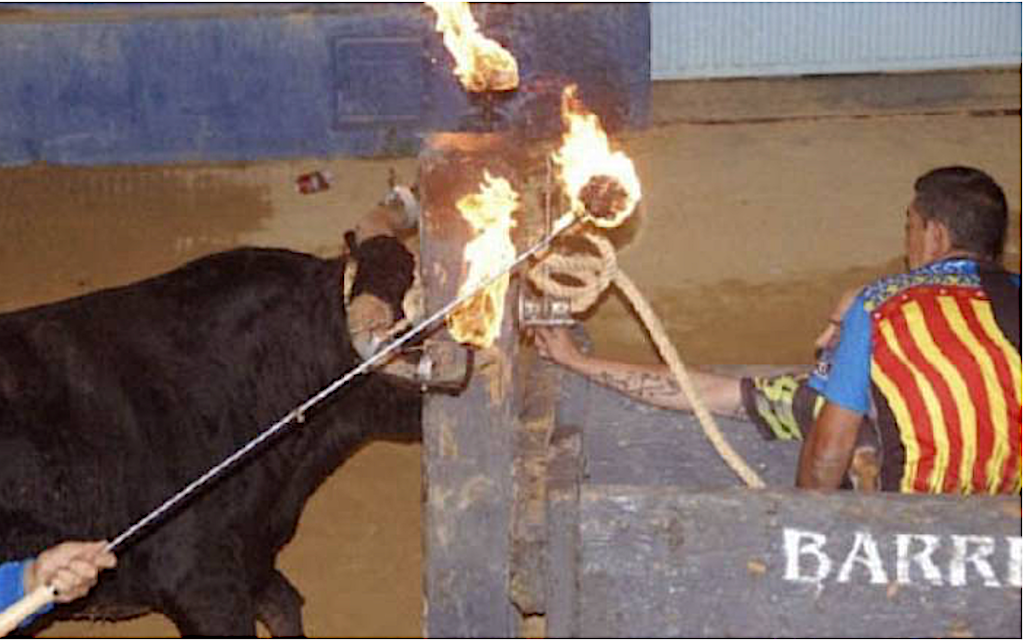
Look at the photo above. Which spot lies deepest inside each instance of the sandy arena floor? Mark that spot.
(747, 232)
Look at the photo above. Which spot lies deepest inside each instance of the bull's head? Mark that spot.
(384, 297)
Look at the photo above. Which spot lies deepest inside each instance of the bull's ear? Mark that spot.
(385, 269)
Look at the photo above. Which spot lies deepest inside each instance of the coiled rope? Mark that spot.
(581, 277)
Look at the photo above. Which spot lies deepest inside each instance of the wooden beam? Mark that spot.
(467, 439)
(561, 553)
(660, 562)
(540, 385)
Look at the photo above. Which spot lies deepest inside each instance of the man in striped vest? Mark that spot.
(932, 355)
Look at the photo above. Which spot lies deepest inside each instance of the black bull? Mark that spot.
(112, 402)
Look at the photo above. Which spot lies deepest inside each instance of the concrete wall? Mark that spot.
(745, 39)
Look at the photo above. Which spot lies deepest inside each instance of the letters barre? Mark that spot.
(659, 561)
(957, 560)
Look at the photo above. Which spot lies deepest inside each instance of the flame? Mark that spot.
(601, 184)
(489, 212)
(480, 63)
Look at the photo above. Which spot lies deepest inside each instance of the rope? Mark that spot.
(594, 273)
(671, 356)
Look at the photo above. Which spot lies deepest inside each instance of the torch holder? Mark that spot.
(541, 310)
(434, 366)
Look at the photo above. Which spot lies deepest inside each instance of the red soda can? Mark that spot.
(313, 182)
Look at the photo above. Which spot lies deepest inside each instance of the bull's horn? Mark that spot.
(365, 344)
(405, 197)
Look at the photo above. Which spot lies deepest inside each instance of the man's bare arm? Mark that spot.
(655, 387)
(652, 384)
(827, 450)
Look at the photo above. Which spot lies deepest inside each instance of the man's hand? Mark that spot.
(556, 344)
(71, 567)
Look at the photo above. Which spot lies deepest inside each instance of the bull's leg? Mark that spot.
(212, 600)
(216, 613)
(279, 607)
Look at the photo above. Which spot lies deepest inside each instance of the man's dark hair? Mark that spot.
(969, 203)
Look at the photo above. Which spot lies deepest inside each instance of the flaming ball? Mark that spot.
(600, 183)
(604, 198)
(481, 63)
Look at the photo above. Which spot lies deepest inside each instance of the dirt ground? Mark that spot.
(748, 230)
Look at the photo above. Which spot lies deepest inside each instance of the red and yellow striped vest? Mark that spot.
(950, 382)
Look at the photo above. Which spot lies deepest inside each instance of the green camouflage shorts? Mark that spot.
(782, 407)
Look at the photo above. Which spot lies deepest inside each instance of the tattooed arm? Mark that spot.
(652, 384)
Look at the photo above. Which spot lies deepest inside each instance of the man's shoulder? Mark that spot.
(954, 273)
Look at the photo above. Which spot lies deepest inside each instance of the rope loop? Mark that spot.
(578, 276)
(581, 276)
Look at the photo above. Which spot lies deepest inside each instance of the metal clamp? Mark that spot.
(543, 311)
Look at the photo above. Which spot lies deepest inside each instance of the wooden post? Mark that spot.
(565, 478)
(467, 439)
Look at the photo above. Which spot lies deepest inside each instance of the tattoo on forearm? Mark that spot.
(641, 385)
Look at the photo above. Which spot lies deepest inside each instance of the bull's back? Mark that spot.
(112, 401)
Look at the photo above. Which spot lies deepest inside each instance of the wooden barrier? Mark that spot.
(661, 562)
(649, 537)
(555, 507)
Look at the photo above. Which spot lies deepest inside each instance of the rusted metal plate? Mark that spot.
(565, 478)
(662, 562)
(538, 384)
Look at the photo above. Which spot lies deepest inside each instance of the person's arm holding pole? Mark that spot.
(60, 574)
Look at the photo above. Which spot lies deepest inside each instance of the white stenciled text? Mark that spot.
(954, 560)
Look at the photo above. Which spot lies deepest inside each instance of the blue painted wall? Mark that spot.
(175, 83)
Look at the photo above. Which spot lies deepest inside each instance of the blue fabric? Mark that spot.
(12, 587)
(818, 378)
(849, 380)
(819, 375)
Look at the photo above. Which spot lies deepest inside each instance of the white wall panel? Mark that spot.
(722, 39)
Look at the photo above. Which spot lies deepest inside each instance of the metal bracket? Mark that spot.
(543, 311)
